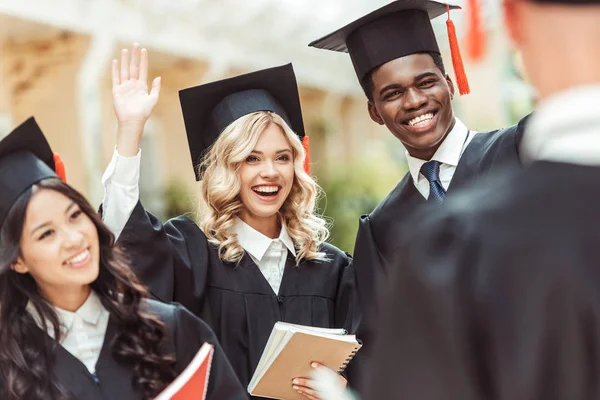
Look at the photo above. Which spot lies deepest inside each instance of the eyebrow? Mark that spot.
(415, 79)
(277, 152)
(40, 226)
(425, 75)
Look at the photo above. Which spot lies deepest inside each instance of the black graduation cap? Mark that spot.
(25, 159)
(210, 108)
(398, 29)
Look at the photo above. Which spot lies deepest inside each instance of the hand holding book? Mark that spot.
(289, 354)
(308, 387)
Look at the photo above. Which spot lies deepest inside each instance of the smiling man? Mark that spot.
(398, 63)
(509, 307)
(412, 96)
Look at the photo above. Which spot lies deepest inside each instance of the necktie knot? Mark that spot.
(431, 171)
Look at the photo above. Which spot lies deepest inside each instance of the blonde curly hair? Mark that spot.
(220, 188)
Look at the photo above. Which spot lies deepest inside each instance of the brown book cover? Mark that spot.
(288, 355)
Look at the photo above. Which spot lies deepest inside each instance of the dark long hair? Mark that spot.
(25, 358)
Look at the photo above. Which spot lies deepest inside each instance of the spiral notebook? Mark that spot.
(289, 353)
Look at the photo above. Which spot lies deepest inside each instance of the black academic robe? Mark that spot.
(178, 264)
(377, 233)
(497, 294)
(112, 380)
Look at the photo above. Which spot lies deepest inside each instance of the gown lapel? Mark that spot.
(112, 380)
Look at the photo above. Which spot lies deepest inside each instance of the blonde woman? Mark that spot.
(258, 254)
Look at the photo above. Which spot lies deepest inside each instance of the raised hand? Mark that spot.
(131, 99)
(132, 102)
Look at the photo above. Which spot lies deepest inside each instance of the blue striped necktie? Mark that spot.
(431, 171)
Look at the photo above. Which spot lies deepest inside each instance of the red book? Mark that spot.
(192, 383)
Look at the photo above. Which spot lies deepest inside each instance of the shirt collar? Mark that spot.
(255, 242)
(448, 153)
(90, 312)
(564, 128)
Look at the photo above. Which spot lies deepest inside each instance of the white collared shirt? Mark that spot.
(270, 255)
(565, 128)
(82, 331)
(448, 154)
(121, 194)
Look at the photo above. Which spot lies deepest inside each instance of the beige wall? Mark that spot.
(484, 107)
(172, 141)
(39, 79)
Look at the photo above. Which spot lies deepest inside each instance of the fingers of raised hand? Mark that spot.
(143, 65)
(124, 65)
(134, 65)
(155, 91)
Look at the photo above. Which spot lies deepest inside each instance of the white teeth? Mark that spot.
(421, 119)
(79, 258)
(266, 189)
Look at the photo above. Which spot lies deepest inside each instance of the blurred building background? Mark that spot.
(55, 64)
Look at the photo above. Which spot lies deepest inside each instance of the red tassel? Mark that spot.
(59, 167)
(475, 33)
(457, 63)
(307, 151)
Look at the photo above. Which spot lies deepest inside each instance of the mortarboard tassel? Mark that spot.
(307, 151)
(457, 63)
(59, 167)
(475, 34)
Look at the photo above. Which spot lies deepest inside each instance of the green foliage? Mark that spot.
(179, 200)
(354, 190)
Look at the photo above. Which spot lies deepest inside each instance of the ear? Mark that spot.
(450, 86)
(510, 9)
(374, 113)
(20, 267)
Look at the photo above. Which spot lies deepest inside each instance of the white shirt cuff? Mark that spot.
(123, 171)
(121, 190)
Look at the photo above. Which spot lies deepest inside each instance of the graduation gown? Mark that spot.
(112, 380)
(178, 264)
(377, 233)
(497, 294)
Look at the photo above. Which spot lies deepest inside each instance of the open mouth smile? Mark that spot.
(268, 191)
(421, 122)
(80, 259)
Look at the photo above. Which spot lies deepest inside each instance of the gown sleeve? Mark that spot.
(170, 259)
(190, 334)
(367, 264)
(368, 269)
(346, 312)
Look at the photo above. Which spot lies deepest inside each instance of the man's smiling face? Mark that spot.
(413, 98)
